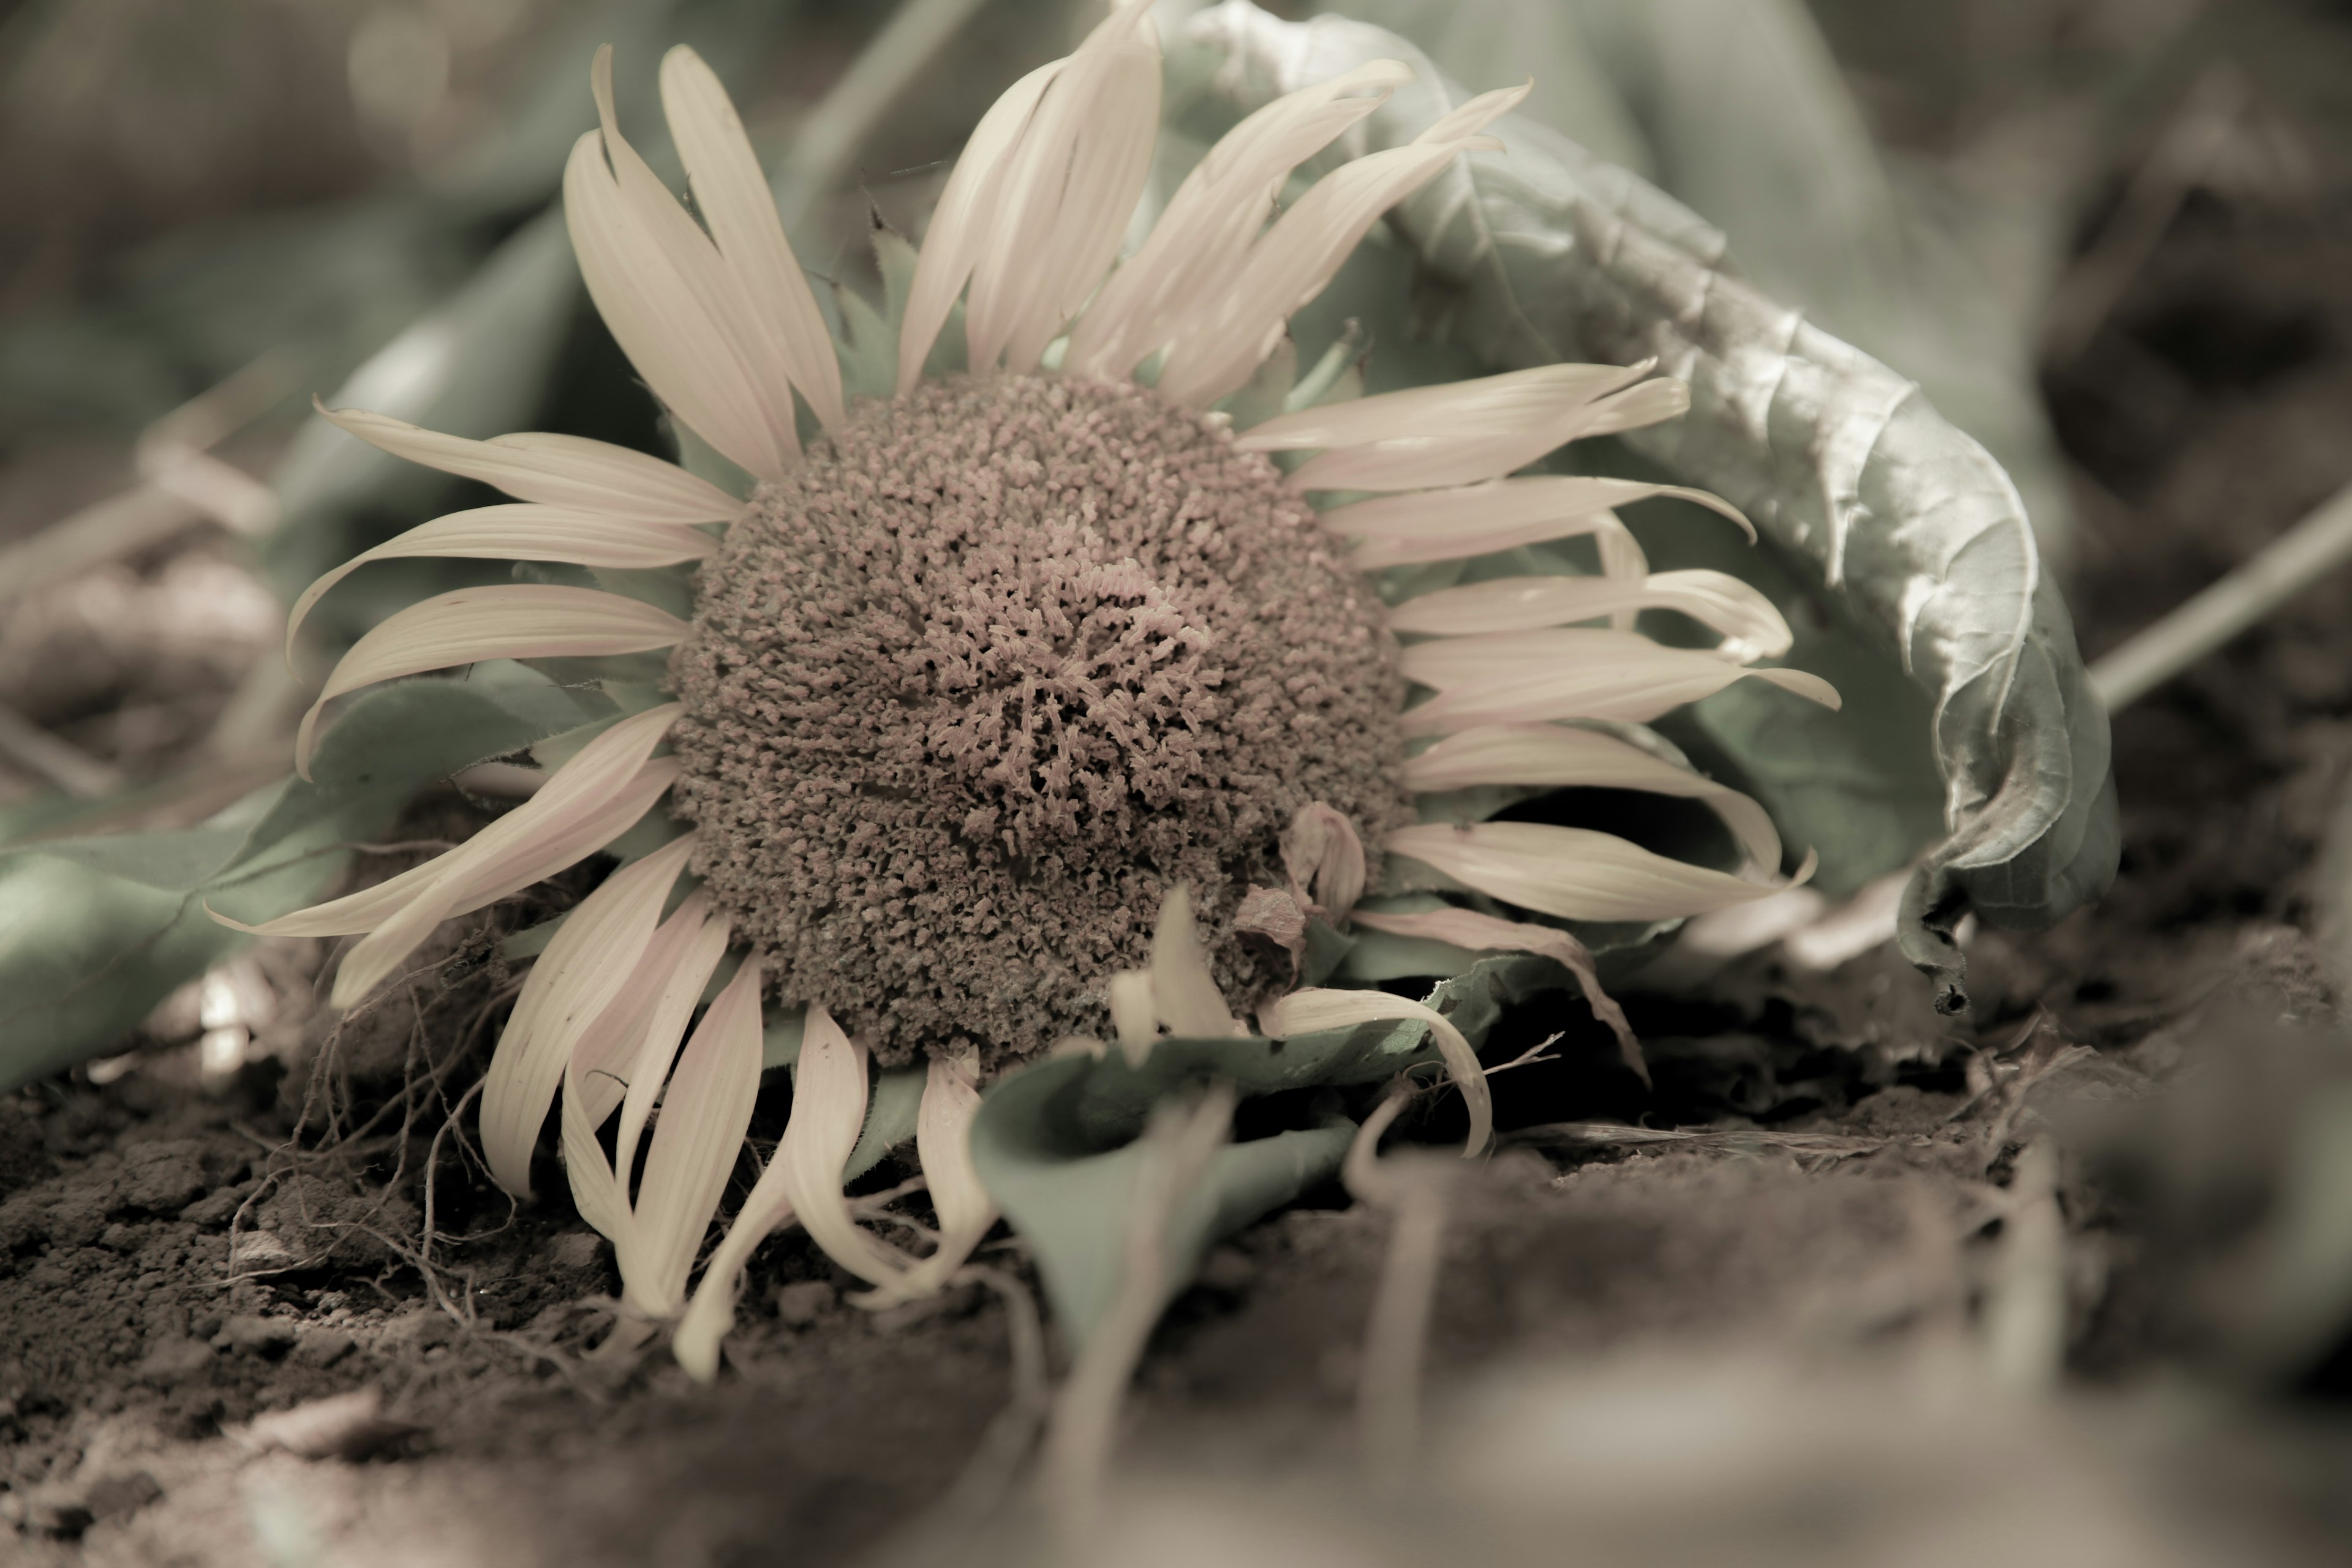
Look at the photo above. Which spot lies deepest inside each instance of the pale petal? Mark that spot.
(1068, 189)
(1219, 345)
(611, 767)
(735, 200)
(1479, 437)
(961, 222)
(672, 332)
(1134, 1019)
(1537, 677)
(1184, 993)
(663, 1022)
(559, 470)
(1199, 243)
(943, 1143)
(705, 1114)
(579, 975)
(573, 534)
(1468, 928)
(1503, 514)
(469, 624)
(710, 1315)
(828, 1112)
(1552, 756)
(619, 1047)
(1307, 1011)
(596, 1191)
(1571, 873)
(1750, 624)
(1324, 858)
(1518, 400)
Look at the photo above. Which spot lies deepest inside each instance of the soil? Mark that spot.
(285, 1319)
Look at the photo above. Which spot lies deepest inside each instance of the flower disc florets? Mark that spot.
(1001, 662)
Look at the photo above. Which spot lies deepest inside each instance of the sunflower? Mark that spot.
(1041, 677)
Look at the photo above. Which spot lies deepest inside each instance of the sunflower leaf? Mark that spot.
(94, 933)
(1884, 520)
(1054, 1143)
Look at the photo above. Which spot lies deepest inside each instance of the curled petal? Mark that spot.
(828, 1113)
(1573, 873)
(1537, 677)
(1503, 514)
(705, 1114)
(1468, 928)
(558, 471)
(579, 975)
(553, 828)
(943, 1142)
(1324, 858)
(734, 199)
(523, 534)
(1198, 246)
(1551, 757)
(1307, 1012)
(468, 625)
(1751, 626)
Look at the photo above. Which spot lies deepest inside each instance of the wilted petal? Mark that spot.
(1573, 873)
(1468, 928)
(559, 470)
(1552, 756)
(1749, 622)
(534, 841)
(943, 1143)
(704, 1116)
(1537, 677)
(735, 200)
(963, 219)
(1307, 1011)
(579, 975)
(1324, 858)
(469, 624)
(1503, 514)
(1202, 238)
(828, 1113)
(523, 532)
(656, 1030)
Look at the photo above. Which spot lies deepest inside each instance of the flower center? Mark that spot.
(992, 670)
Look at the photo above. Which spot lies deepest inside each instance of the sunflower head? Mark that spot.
(996, 665)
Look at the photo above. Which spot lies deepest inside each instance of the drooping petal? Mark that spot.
(1324, 858)
(1537, 677)
(704, 1116)
(1503, 514)
(960, 221)
(624, 1044)
(550, 830)
(465, 626)
(1460, 432)
(659, 300)
(523, 533)
(1552, 756)
(663, 1023)
(710, 1315)
(828, 1112)
(1203, 235)
(558, 471)
(1305, 1012)
(1479, 933)
(579, 975)
(1184, 993)
(1218, 345)
(1751, 626)
(943, 1143)
(735, 200)
(1068, 188)
(1572, 873)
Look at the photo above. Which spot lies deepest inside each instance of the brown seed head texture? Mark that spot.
(992, 669)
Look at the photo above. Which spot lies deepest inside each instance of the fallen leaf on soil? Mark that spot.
(342, 1426)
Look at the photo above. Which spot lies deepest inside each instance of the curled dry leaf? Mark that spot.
(1891, 519)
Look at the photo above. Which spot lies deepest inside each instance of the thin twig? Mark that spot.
(2283, 569)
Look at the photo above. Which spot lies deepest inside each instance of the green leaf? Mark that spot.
(891, 1107)
(94, 933)
(1055, 1146)
(1892, 524)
